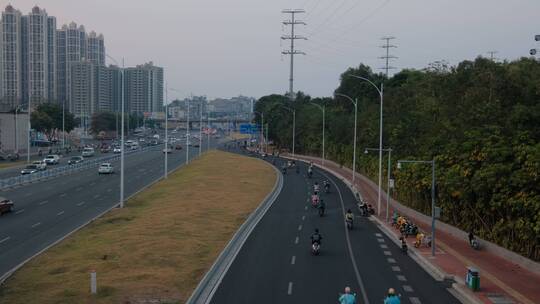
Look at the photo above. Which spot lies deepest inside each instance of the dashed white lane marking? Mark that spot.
(387, 252)
(109, 190)
(401, 278)
(396, 268)
(391, 260)
(92, 183)
(80, 204)
(415, 300)
(79, 189)
(293, 260)
(43, 202)
(63, 194)
(305, 208)
(296, 240)
(289, 289)
(380, 240)
(36, 224)
(96, 196)
(303, 217)
(299, 227)
(60, 213)
(28, 194)
(20, 211)
(4, 239)
(384, 246)
(378, 235)
(408, 288)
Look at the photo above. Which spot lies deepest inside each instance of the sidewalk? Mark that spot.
(501, 280)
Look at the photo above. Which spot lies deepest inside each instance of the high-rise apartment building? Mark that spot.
(82, 89)
(144, 88)
(10, 59)
(96, 49)
(108, 88)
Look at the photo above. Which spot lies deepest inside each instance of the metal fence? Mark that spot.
(65, 169)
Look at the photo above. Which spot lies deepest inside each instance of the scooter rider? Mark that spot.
(316, 237)
(347, 297)
(392, 298)
(316, 187)
(349, 216)
(321, 206)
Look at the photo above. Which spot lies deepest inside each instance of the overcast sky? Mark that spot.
(223, 48)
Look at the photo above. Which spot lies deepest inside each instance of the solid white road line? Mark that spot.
(20, 211)
(4, 239)
(293, 260)
(289, 290)
(36, 224)
(60, 213)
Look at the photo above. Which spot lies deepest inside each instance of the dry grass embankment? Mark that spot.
(158, 248)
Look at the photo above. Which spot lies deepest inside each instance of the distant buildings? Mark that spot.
(233, 108)
(40, 63)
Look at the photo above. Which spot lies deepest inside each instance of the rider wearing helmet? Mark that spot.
(316, 187)
(316, 237)
(392, 298)
(347, 297)
(349, 216)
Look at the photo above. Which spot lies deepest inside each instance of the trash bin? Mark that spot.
(473, 279)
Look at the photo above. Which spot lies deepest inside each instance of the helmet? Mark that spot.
(391, 291)
(349, 211)
(316, 230)
(316, 183)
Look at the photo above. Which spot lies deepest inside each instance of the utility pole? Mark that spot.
(388, 56)
(492, 55)
(292, 37)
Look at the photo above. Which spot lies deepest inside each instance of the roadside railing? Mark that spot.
(49, 173)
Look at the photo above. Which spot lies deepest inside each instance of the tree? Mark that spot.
(47, 118)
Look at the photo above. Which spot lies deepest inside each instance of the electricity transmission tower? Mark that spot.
(387, 57)
(492, 55)
(292, 37)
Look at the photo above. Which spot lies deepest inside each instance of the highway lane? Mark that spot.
(46, 211)
(275, 264)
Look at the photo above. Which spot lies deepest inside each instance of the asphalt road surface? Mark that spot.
(275, 265)
(48, 210)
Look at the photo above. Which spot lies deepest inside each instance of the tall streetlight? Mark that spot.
(166, 132)
(433, 213)
(200, 128)
(389, 150)
(166, 158)
(381, 96)
(323, 109)
(355, 103)
(262, 128)
(16, 148)
(122, 147)
(294, 126)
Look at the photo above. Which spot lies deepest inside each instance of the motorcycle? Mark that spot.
(321, 211)
(475, 244)
(314, 200)
(349, 224)
(310, 173)
(315, 248)
(284, 170)
(404, 247)
(327, 187)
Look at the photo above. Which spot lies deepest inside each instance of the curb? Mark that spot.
(458, 289)
(209, 284)
(8, 274)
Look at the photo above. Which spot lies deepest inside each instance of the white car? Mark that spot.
(105, 168)
(88, 152)
(117, 150)
(40, 165)
(52, 159)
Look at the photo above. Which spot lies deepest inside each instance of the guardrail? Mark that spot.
(20, 180)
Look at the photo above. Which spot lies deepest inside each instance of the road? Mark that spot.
(48, 210)
(275, 264)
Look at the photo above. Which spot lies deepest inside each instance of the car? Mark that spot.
(41, 165)
(6, 205)
(178, 147)
(196, 145)
(117, 150)
(30, 169)
(134, 146)
(75, 160)
(154, 143)
(128, 143)
(167, 150)
(105, 168)
(52, 159)
(88, 152)
(105, 149)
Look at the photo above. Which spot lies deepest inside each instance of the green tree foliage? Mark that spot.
(107, 121)
(479, 120)
(47, 118)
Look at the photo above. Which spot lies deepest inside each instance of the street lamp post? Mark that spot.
(389, 150)
(432, 163)
(63, 124)
(381, 96)
(200, 128)
(122, 147)
(166, 133)
(323, 109)
(294, 126)
(187, 135)
(355, 103)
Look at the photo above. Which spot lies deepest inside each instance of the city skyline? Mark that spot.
(246, 47)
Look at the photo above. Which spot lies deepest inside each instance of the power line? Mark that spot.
(292, 37)
(387, 57)
(492, 55)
